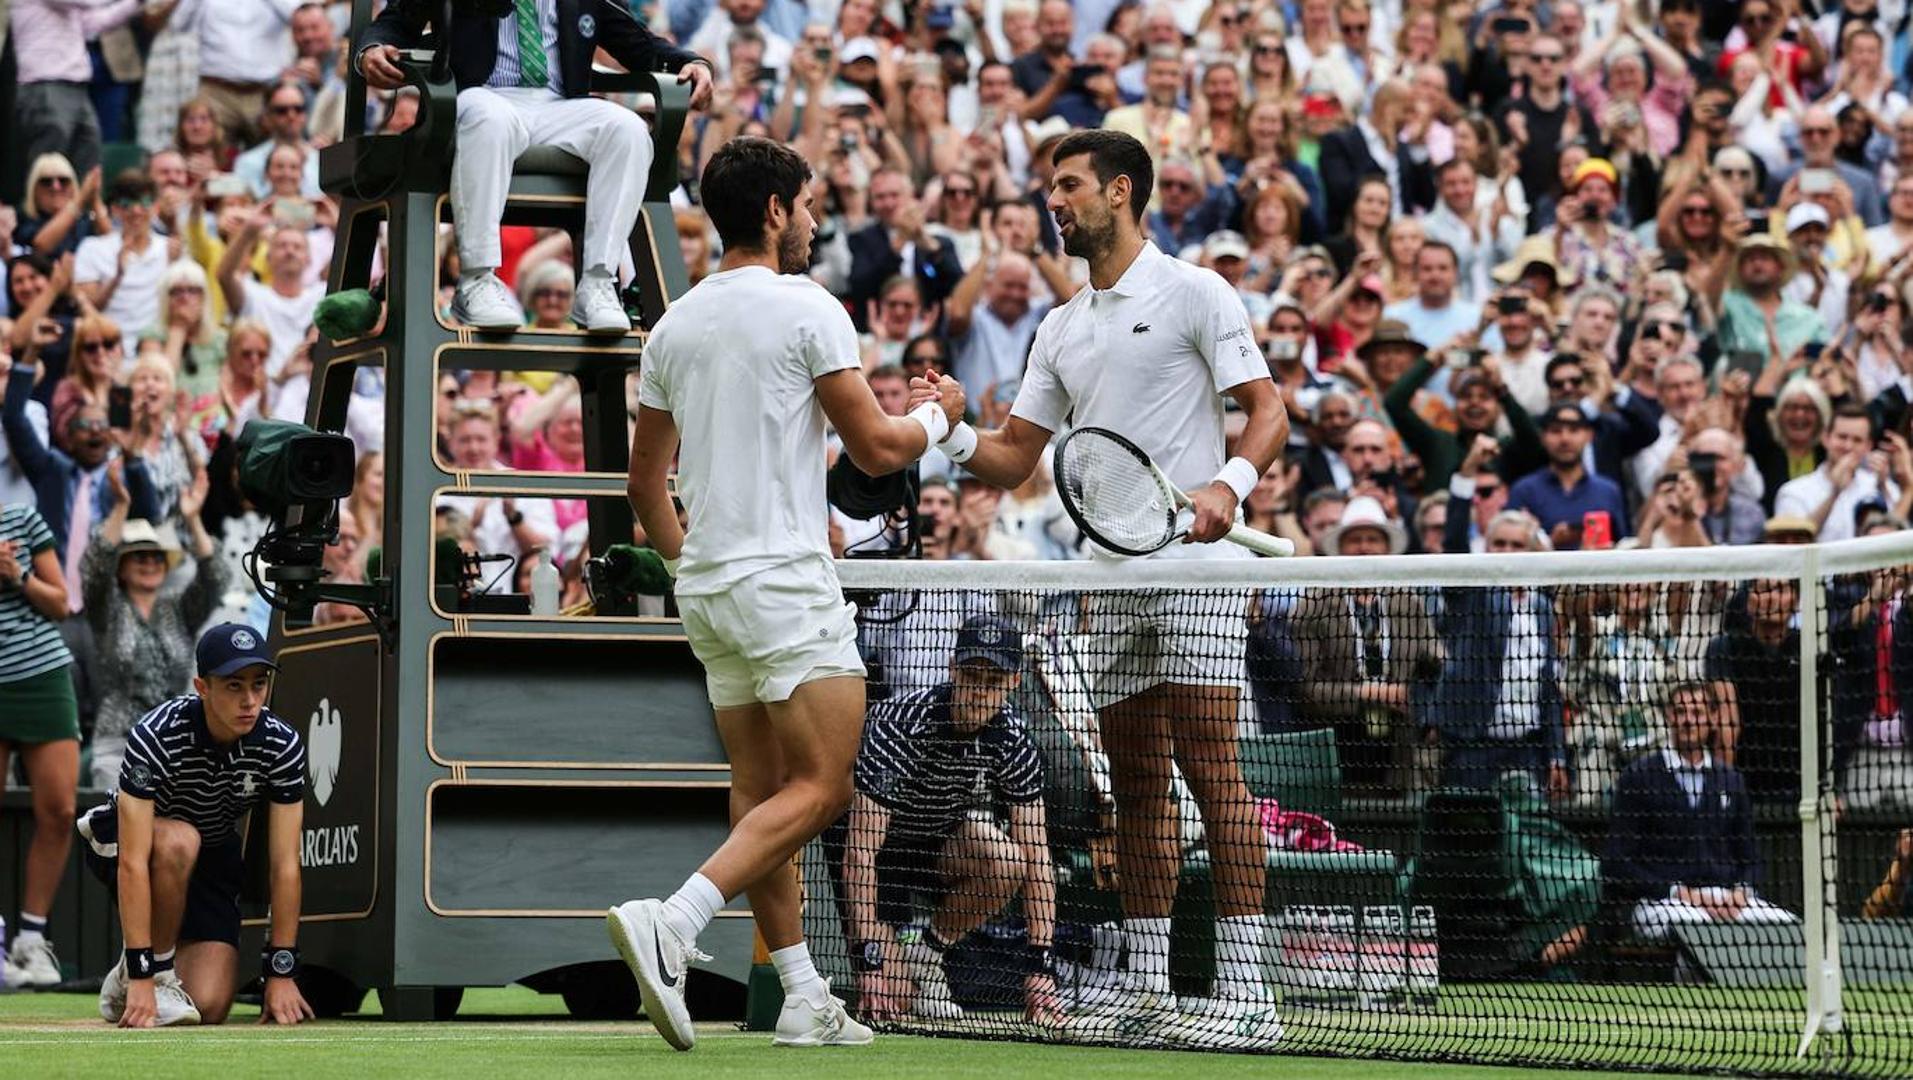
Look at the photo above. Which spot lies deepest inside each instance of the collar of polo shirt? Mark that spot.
(203, 732)
(1131, 282)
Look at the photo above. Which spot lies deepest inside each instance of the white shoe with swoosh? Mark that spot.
(660, 962)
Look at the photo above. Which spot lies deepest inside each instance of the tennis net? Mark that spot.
(1622, 810)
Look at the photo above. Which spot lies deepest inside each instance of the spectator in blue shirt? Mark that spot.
(1187, 212)
(1561, 495)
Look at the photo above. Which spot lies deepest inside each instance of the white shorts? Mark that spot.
(770, 633)
(1144, 638)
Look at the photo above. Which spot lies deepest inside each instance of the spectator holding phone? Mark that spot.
(284, 302)
(119, 273)
(1854, 471)
(1566, 492)
(1756, 315)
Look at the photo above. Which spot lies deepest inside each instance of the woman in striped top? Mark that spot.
(40, 718)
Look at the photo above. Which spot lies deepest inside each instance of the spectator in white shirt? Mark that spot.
(119, 273)
(993, 338)
(732, 15)
(244, 47)
(285, 303)
(1481, 238)
(284, 123)
(1887, 242)
(1852, 473)
(500, 525)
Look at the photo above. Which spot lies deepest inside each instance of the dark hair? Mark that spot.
(1113, 154)
(129, 185)
(1561, 360)
(1849, 410)
(1452, 164)
(739, 182)
(1437, 245)
(1691, 686)
(910, 348)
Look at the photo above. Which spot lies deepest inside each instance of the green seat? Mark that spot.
(1301, 770)
(117, 157)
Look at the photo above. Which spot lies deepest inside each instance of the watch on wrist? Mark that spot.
(278, 963)
(868, 956)
(515, 518)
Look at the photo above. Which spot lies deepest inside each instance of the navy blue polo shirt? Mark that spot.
(1540, 493)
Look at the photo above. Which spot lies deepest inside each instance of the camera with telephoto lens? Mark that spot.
(285, 467)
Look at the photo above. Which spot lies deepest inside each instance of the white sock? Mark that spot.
(1148, 943)
(689, 910)
(799, 975)
(1239, 955)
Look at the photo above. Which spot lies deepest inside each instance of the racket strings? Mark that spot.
(1122, 503)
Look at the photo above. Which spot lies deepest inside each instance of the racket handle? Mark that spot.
(1260, 542)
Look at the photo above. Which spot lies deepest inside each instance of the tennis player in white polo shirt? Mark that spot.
(738, 378)
(1148, 351)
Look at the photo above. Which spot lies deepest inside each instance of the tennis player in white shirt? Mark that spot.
(738, 379)
(1148, 351)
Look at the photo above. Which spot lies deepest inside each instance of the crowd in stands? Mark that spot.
(1528, 275)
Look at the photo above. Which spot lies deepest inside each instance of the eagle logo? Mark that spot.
(323, 744)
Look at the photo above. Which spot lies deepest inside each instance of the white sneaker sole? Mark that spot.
(817, 1038)
(661, 1002)
(460, 316)
(185, 1019)
(22, 979)
(602, 329)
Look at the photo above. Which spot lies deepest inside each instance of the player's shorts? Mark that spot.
(772, 632)
(1139, 639)
(212, 893)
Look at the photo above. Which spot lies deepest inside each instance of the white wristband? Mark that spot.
(671, 566)
(961, 445)
(1240, 475)
(935, 424)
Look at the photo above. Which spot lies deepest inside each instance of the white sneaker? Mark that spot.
(596, 307)
(802, 1024)
(934, 1001)
(1231, 1023)
(1134, 1018)
(113, 993)
(173, 1006)
(31, 965)
(484, 303)
(660, 963)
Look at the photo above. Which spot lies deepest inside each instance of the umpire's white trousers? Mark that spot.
(497, 125)
(1653, 918)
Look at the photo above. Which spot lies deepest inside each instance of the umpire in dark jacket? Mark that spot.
(524, 80)
(1680, 845)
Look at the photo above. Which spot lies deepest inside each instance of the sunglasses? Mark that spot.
(146, 556)
(901, 305)
(128, 203)
(1267, 50)
(87, 425)
(287, 110)
(1321, 272)
(959, 193)
(1546, 57)
(1735, 172)
(99, 345)
(252, 354)
(552, 294)
(55, 181)
(1483, 491)
(1354, 28)
(1698, 211)
(1817, 130)
(186, 290)
(1567, 382)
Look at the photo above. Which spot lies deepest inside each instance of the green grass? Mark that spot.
(514, 1032)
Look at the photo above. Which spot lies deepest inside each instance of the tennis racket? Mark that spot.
(1121, 500)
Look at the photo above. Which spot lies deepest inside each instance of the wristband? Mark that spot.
(671, 566)
(278, 963)
(960, 446)
(139, 963)
(935, 424)
(1240, 476)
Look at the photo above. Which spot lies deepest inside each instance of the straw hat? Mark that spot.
(1534, 251)
(1390, 332)
(141, 535)
(1364, 512)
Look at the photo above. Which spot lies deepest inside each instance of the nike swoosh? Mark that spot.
(663, 973)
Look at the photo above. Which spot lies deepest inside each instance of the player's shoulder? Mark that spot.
(170, 717)
(1189, 279)
(276, 734)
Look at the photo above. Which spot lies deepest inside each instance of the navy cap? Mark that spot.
(231, 647)
(1564, 413)
(991, 639)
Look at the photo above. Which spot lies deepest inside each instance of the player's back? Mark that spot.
(734, 362)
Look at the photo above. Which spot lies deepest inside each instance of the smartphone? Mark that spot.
(1746, 360)
(1461, 358)
(1080, 75)
(1511, 305)
(297, 213)
(1597, 531)
(226, 186)
(1877, 302)
(1816, 181)
(1284, 349)
(1757, 221)
(941, 17)
(1888, 410)
(1674, 260)
(1706, 470)
(119, 407)
(821, 54)
(1813, 349)
(1509, 24)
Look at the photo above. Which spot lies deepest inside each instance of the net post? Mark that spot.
(1821, 934)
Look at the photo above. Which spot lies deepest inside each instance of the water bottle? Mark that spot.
(544, 586)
